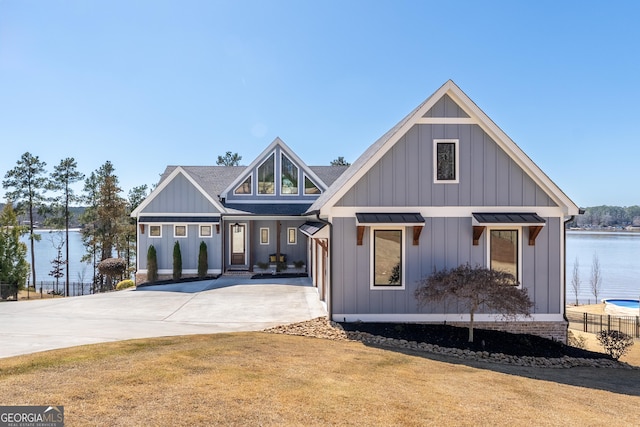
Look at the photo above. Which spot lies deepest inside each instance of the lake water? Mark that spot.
(46, 251)
(619, 255)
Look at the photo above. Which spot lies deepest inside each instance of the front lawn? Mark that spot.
(269, 379)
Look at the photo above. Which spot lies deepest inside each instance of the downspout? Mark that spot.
(564, 284)
(330, 301)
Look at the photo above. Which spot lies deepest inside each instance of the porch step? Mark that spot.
(236, 273)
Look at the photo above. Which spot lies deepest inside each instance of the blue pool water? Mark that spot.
(627, 303)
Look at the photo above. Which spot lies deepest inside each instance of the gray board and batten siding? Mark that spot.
(189, 246)
(404, 175)
(446, 107)
(444, 243)
(180, 196)
(180, 203)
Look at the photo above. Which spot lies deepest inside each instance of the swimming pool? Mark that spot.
(622, 307)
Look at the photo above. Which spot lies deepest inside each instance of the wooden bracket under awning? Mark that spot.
(477, 232)
(417, 229)
(360, 234)
(534, 230)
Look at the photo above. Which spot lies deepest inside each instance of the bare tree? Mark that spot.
(474, 288)
(57, 264)
(575, 279)
(596, 276)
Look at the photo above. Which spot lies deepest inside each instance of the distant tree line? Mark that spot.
(47, 198)
(608, 216)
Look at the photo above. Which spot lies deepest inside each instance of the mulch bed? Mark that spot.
(484, 340)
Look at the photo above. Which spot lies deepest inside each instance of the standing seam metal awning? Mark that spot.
(311, 227)
(389, 218)
(508, 218)
(404, 219)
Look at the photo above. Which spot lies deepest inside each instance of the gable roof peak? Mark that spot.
(284, 148)
(372, 154)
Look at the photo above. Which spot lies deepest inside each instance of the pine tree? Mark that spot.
(29, 183)
(63, 176)
(229, 159)
(105, 217)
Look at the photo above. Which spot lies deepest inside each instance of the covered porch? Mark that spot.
(264, 244)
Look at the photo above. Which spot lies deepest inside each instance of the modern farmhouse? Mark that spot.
(444, 187)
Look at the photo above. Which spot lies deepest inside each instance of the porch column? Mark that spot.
(278, 230)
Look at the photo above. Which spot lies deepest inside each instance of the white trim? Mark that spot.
(295, 235)
(184, 214)
(446, 211)
(155, 237)
(186, 231)
(563, 264)
(246, 241)
(265, 202)
(403, 256)
(204, 236)
(282, 155)
(268, 235)
(456, 144)
(379, 148)
(513, 150)
(178, 170)
(446, 121)
(506, 227)
(442, 317)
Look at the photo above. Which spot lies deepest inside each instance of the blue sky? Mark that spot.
(146, 84)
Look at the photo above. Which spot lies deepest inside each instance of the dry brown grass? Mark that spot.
(23, 295)
(267, 379)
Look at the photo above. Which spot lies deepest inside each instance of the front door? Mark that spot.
(238, 244)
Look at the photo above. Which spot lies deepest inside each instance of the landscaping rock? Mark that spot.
(323, 328)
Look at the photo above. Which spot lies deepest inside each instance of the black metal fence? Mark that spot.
(594, 323)
(42, 288)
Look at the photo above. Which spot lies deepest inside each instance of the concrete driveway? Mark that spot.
(228, 304)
